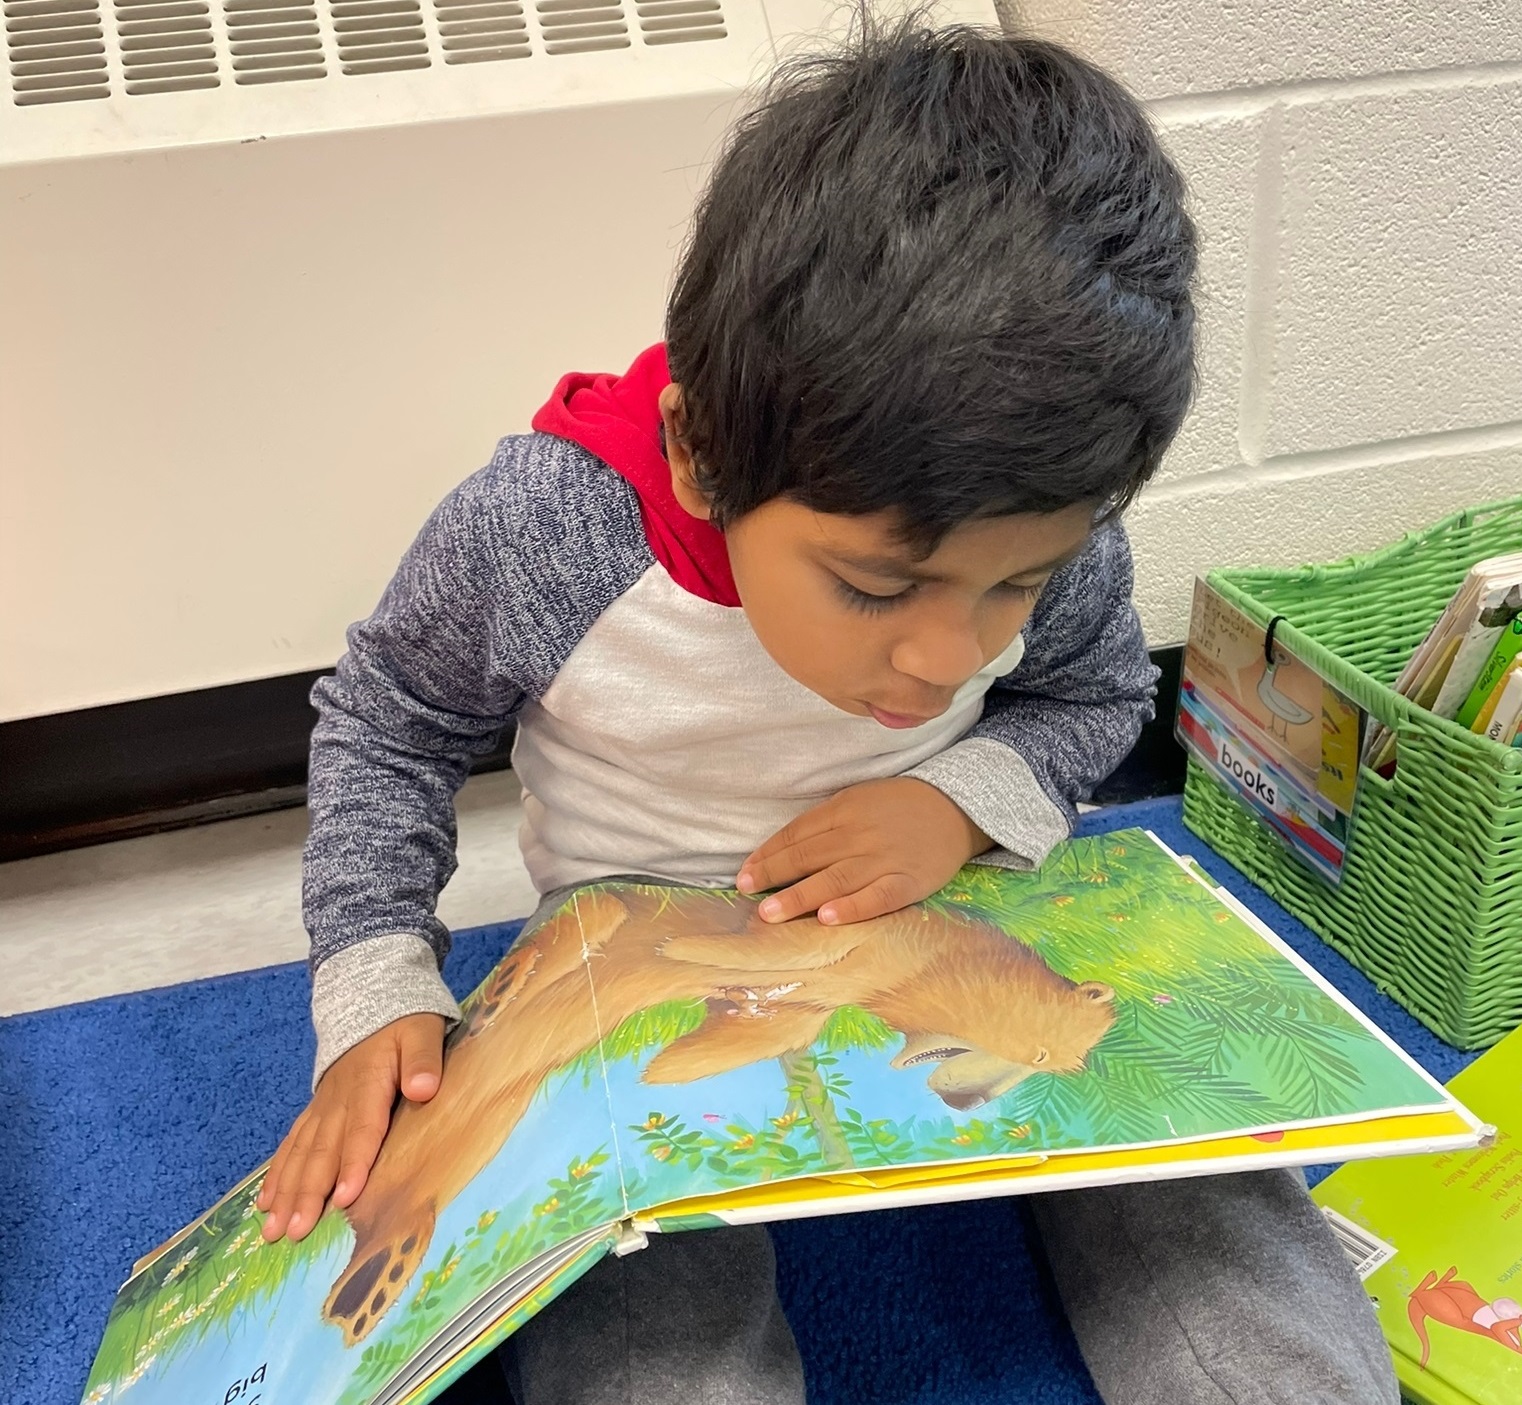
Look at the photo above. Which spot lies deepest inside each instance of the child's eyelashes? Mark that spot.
(868, 603)
(1020, 592)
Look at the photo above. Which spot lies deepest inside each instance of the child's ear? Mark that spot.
(683, 470)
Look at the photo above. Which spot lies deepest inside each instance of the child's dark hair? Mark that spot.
(943, 272)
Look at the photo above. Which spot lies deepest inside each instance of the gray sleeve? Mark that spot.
(501, 584)
(1064, 718)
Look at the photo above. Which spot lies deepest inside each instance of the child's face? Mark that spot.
(847, 610)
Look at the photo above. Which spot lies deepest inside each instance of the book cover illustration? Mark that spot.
(650, 1045)
(1271, 729)
(1438, 1242)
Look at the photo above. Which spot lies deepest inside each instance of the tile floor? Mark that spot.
(207, 901)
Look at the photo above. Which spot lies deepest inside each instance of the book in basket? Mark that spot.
(656, 1060)
(1438, 1242)
(1459, 663)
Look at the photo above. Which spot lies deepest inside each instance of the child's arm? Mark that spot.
(501, 585)
(415, 699)
(421, 692)
(498, 587)
(1050, 731)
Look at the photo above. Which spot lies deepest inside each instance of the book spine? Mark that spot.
(1475, 652)
(1503, 721)
(1501, 657)
(1481, 724)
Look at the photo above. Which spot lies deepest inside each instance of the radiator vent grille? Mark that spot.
(166, 46)
(62, 51)
(680, 21)
(56, 49)
(581, 26)
(274, 41)
(379, 36)
(482, 31)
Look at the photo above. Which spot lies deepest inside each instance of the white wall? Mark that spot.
(215, 442)
(1356, 169)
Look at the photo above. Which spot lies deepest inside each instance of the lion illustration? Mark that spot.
(979, 1010)
(1455, 1303)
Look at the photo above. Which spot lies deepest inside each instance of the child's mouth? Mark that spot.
(897, 720)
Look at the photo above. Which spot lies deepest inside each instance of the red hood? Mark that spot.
(618, 418)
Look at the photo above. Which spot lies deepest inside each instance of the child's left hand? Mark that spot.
(872, 849)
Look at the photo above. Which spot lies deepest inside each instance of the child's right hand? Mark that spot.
(334, 1143)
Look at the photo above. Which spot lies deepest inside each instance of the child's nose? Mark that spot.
(941, 654)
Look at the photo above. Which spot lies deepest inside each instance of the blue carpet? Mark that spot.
(122, 1119)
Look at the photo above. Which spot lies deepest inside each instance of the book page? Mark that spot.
(511, 1160)
(1108, 1001)
(493, 1317)
(1403, 1135)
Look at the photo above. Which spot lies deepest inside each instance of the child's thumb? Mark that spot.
(422, 1058)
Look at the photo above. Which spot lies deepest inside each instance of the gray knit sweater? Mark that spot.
(654, 734)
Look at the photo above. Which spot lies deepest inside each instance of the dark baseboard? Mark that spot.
(137, 768)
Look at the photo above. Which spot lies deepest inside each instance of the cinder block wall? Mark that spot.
(1356, 171)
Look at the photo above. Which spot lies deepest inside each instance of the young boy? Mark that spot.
(827, 596)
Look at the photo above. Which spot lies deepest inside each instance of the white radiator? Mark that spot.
(275, 274)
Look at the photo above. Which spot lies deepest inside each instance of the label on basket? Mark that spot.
(1271, 729)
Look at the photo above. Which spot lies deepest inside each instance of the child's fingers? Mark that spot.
(882, 895)
(769, 862)
(318, 1171)
(365, 1129)
(780, 840)
(285, 1174)
(796, 861)
(271, 1182)
(827, 886)
(420, 1056)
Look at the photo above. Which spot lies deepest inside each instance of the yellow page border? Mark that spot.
(1417, 1128)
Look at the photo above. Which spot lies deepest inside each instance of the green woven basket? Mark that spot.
(1430, 904)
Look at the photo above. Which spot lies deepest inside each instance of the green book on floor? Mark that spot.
(1438, 1243)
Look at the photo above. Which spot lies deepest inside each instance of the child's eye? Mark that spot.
(1020, 592)
(865, 601)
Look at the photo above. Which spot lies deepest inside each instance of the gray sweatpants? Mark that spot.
(1224, 1290)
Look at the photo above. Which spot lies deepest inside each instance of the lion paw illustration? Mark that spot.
(377, 1272)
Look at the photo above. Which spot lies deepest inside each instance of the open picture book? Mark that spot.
(657, 1060)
